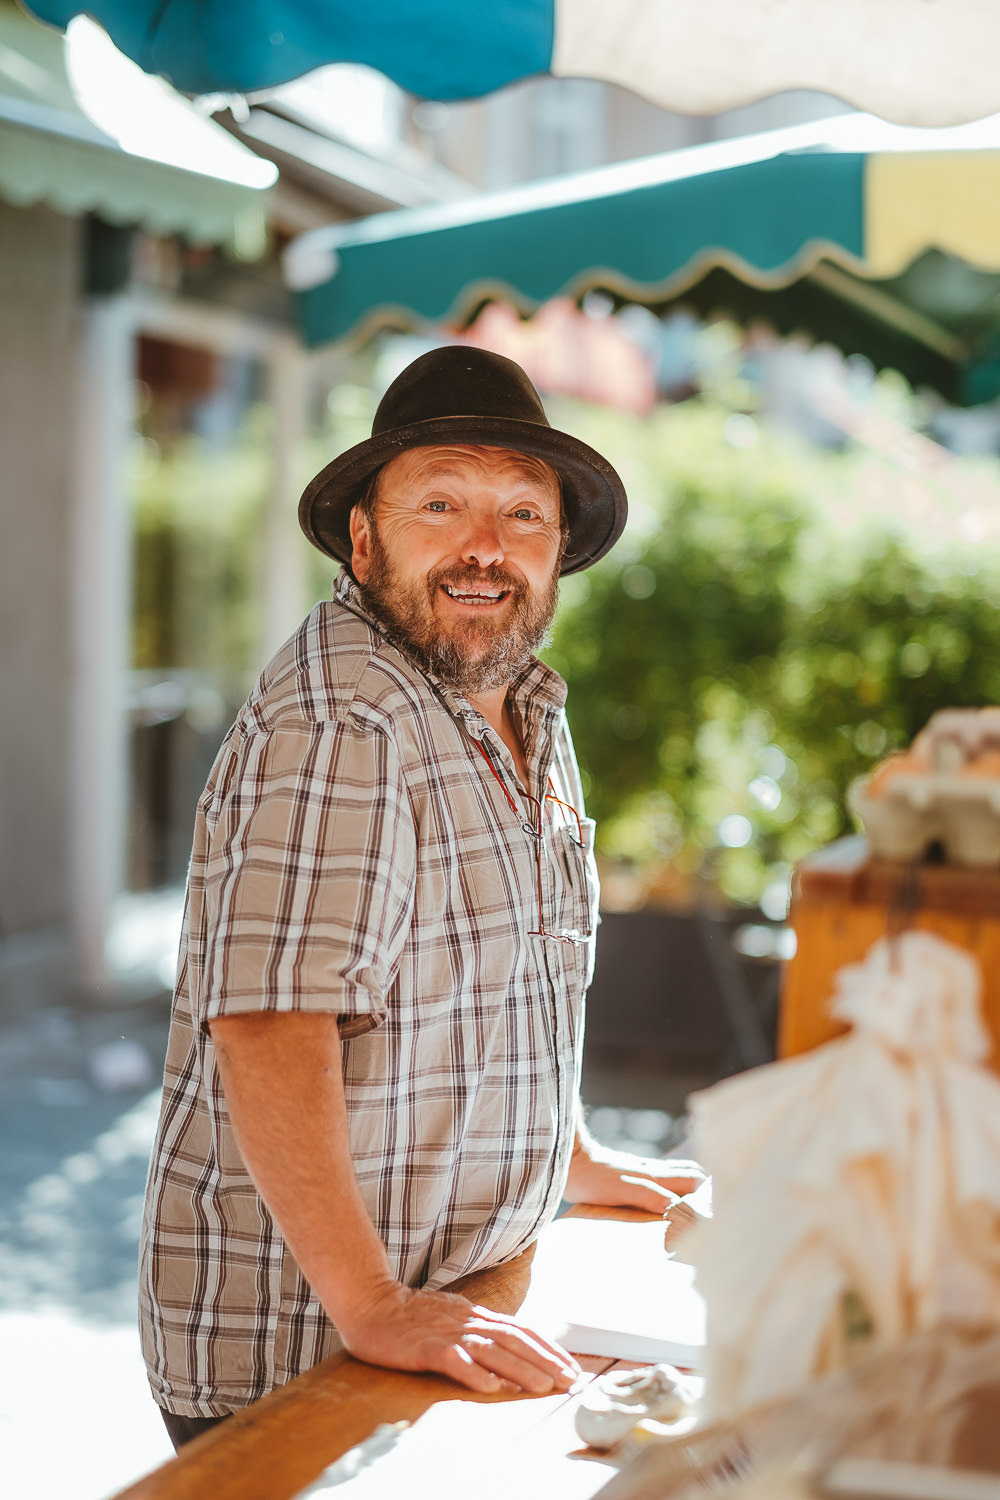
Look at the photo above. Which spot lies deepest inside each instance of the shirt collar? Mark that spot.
(536, 690)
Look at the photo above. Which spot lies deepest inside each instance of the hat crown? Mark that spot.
(464, 396)
(458, 381)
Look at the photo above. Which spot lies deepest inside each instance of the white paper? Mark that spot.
(601, 1286)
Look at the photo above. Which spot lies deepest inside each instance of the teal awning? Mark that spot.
(631, 236)
(894, 253)
(84, 131)
(926, 64)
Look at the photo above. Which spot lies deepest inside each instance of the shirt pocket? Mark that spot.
(573, 844)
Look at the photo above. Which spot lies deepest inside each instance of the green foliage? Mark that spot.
(197, 514)
(746, 654)
(345, 420)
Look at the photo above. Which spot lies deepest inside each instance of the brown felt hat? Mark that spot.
(465, 395)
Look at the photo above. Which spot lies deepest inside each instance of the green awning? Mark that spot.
(892, 252)
(53, 151)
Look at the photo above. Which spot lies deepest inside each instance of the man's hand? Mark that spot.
(439, 1331)
(616, 1179)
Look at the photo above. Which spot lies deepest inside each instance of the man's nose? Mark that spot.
(483, 544)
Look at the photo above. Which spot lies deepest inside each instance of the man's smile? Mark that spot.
(477, 596)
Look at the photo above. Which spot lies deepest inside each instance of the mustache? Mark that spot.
(471, 578)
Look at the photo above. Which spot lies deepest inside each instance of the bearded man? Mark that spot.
(372, 1076)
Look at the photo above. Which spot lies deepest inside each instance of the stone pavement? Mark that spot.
(79, 1094)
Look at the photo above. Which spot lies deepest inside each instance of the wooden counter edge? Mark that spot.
(287, 1439)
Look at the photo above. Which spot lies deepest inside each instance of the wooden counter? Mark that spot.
(465, 1445)
(843, 901)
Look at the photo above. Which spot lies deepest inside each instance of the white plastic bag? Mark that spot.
(856, 1188)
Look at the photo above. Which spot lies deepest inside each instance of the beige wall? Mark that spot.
(39, 269)
(544, 126)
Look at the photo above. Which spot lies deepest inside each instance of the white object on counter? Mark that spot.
(612, 1404)
(856, 1188)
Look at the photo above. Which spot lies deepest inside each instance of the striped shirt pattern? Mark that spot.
(354, 853)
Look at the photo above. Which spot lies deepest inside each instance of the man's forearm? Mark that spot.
(282, 1080)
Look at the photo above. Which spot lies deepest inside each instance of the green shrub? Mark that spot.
(746, 651)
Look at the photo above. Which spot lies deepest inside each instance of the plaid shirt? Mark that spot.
(355, 853)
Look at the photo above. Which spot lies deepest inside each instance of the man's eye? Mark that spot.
(437, 505)
(525, 515)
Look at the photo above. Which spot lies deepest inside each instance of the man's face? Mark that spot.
(462, 559)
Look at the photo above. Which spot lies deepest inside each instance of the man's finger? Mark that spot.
(682, 1177)
(667, 1173)
(644, 1192)
(457, 1362)
(681, 1185)
(518, 1363)
(678, 1220)
(528, 1349)
(489, 1320)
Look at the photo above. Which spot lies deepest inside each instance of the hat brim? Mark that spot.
(593, 494)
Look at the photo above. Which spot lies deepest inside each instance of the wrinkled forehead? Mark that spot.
(468, 462)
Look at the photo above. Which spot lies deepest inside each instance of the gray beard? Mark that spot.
(477, 658)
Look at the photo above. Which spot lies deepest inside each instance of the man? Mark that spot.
(371, 1080)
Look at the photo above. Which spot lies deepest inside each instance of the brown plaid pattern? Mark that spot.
(354, 853)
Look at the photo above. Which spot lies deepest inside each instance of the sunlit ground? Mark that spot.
(76, 1419)
(77, 1113)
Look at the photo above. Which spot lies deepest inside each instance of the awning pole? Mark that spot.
(100, 617)
(284, 567)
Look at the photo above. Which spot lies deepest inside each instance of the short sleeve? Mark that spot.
(304, 877)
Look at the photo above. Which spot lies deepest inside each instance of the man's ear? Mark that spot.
(361, 538)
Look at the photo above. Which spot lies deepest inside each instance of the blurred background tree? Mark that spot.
(772, 625)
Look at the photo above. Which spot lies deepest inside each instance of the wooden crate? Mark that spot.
(843, 901)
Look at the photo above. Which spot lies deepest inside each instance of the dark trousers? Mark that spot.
(181, 1430)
